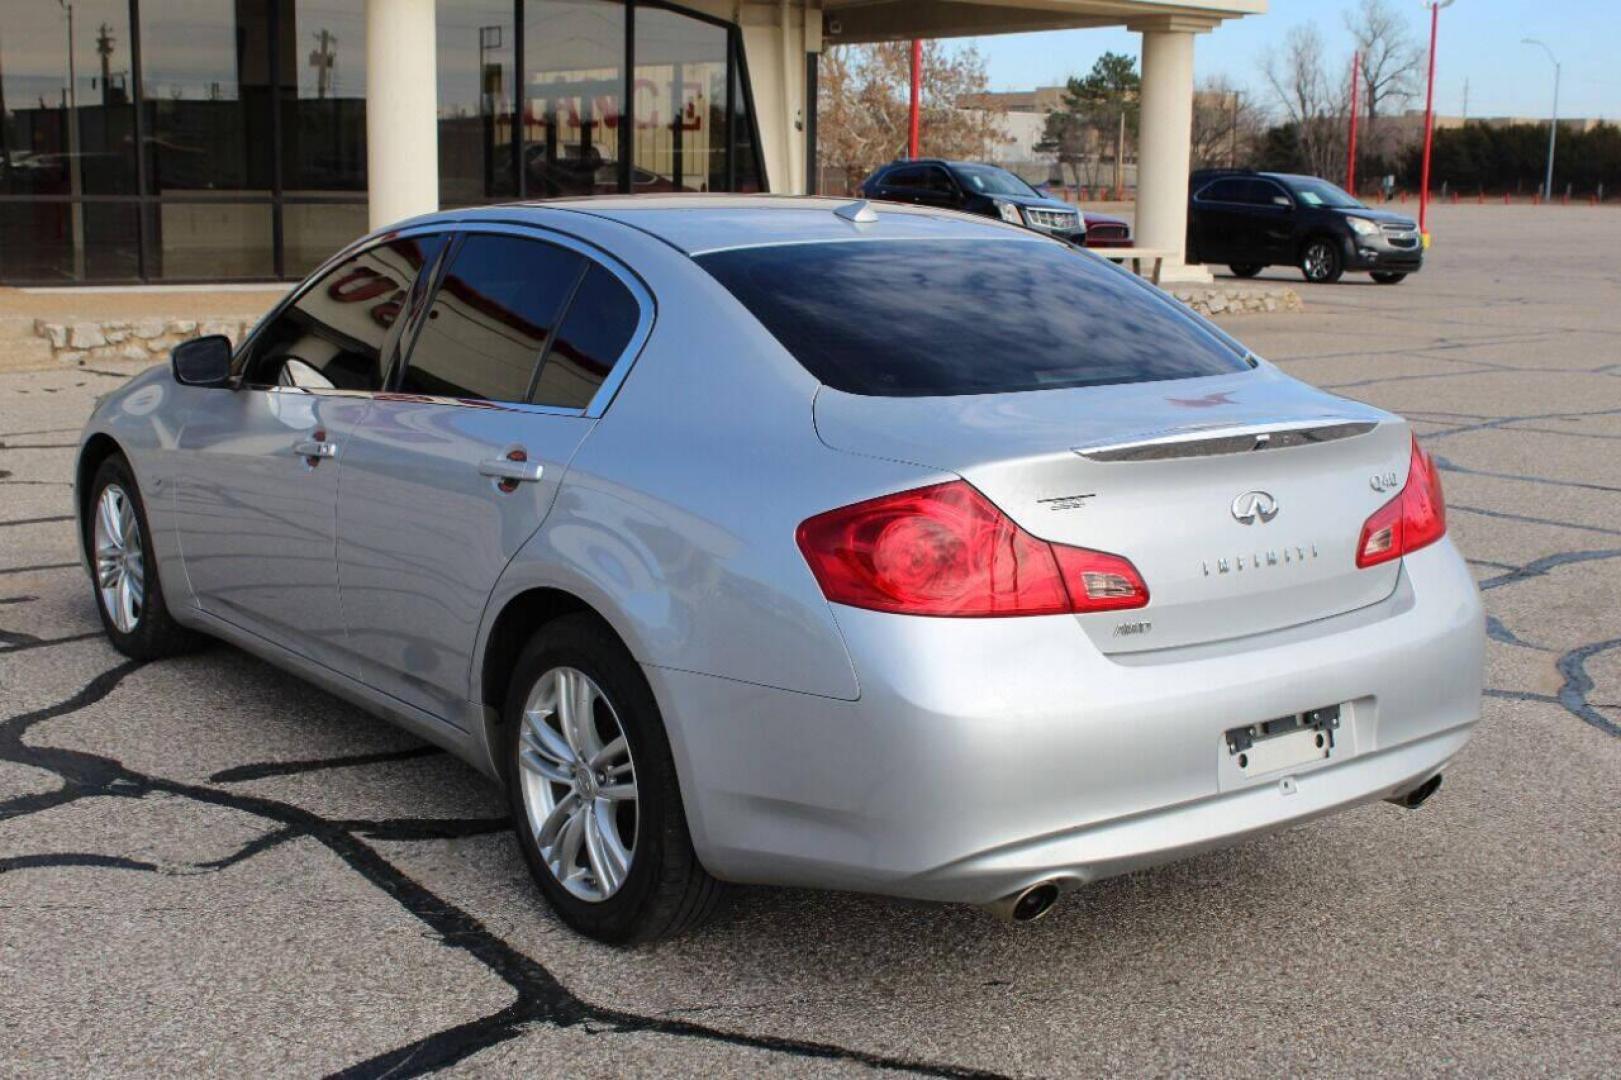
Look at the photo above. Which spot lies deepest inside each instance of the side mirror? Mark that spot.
(204, 361)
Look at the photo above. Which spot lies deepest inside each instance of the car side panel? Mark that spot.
(677, 518)
(145, 417)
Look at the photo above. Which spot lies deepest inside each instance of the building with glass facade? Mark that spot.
(245, 140)
(250, 118)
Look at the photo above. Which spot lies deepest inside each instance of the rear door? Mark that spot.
(256, 492)
(1217, 210)
(455, 468)
(1271, 213)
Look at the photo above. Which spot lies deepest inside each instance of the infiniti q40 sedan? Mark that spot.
(799, 542)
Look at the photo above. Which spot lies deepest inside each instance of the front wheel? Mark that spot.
(1387, 277)
(1245, 270)
(1321, 262)
(129, 595)
(593, 792)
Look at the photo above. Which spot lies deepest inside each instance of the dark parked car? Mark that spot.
(1250, 220)
(992, 192)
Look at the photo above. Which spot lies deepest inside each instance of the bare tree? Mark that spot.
(865, 102)
(1227, 122)
(1315, 102)
(1392, 64)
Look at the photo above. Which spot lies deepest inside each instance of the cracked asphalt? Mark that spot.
(209, 867)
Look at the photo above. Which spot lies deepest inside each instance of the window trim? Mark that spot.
(458, 233)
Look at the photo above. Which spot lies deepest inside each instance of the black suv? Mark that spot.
(992, 192)
(1250, 220)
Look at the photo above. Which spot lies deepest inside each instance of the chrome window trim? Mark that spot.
(645, 304)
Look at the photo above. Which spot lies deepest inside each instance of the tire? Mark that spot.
(1387, 277)
(664, 890)
(124, 576)
(1321, 261)
(1245, 270)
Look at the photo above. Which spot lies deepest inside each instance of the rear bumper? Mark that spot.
(986, 755)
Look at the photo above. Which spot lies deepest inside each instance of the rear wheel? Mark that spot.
(1387, 277)
(593, 790)
(1320, 261)
(1245, 269)
(129, 595)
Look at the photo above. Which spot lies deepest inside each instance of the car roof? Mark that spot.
(699, 224)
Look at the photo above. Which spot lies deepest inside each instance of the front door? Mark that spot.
(256, 493)
(448, 475)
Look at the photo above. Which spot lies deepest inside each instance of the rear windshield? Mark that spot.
(928, 318)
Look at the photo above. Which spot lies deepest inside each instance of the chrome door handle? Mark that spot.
(315, 448)
(517, 472)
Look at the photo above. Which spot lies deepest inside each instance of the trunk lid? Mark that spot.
(1240, 498)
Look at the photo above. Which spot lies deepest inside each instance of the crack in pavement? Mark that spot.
(541, 998)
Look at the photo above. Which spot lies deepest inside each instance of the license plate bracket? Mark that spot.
(1284, 742)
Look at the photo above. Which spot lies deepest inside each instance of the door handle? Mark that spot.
(512, 471)
(315, 448)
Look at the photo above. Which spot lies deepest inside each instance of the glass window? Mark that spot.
(205, 80)
(312, 232)
(922, 318)
(66, 115)
(680, 102)
(491, 318)
(937, 181)
(908, 177)
(987, 180)
(747, 173)
(1224, 191)
(600, 322)
(211, 239)
(574, 74)
(477, 85)
(1314, 192)
(332, 336)
(322, 53)
(58, 243)
(1261, 193)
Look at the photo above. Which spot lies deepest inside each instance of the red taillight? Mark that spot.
(947, 550)
(1414, 519)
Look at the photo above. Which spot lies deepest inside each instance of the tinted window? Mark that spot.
(992, 181)
(1224, 191)
(936, 180)
(1263, 193)
(491, 318)
(903, 178)
(598, 326)
(332, 336)
(919, 318)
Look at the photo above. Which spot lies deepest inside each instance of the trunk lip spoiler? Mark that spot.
(1219, 439)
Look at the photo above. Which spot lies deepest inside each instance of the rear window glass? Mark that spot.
(896, 318)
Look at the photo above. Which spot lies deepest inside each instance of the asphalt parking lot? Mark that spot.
(207, 866)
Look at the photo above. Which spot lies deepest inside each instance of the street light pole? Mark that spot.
(914, 124)
(1553, 125)
(1435, 7)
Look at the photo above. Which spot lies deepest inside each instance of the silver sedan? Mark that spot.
(789, 541)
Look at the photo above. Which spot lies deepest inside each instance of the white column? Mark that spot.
(1165, 142)
(402, 121)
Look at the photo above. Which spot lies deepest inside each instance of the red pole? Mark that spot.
(1429, 130)
(1350, 157)
(917, 98)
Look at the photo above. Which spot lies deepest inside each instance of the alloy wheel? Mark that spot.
(1319, 260)
(578, 783)
(120, 559)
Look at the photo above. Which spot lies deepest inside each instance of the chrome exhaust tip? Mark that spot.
(1027, 905)
(1415, 798)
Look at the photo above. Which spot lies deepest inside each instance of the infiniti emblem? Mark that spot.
(1253, 506)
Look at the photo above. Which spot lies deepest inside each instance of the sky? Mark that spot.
(1479, 41)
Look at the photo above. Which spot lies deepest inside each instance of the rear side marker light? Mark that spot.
(947, 550)
(1414, 519)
